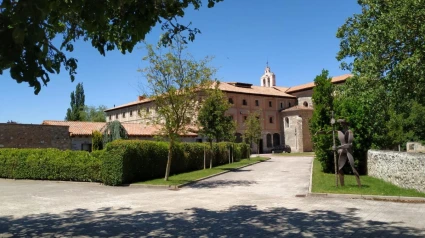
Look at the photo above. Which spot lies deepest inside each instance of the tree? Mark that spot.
(113, 131)
(252, 131)
(363, 103)
(75, 112)
(212, 117)
(174, 80)
(94, 114)
(387, 42)
(97, 141)
(320, 121)
(28, 30)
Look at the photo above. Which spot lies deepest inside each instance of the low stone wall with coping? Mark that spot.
(406, 170)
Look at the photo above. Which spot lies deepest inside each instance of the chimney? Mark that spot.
(141, 98)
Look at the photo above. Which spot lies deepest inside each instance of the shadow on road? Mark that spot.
(221, 183)
(237, 221)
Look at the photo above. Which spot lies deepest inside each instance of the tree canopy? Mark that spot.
(94, 114)
(29, 30)
(387, 42)
(252, 131)
(174, 80)
(75, 112)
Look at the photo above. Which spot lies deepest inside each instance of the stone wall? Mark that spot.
(403, 169)
(34, 136)
(415, 147)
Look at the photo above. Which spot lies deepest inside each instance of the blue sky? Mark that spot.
(297, 37)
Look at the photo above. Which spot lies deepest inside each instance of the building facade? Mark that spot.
(285, 111)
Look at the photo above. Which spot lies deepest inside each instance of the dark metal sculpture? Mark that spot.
(345, 150)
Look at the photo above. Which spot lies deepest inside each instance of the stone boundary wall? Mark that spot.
(34, 136)
(406, 170)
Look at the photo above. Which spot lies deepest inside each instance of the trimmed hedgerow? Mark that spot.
(127, 161)
(50, 164)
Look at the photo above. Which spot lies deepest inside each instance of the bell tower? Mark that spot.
(268, 79)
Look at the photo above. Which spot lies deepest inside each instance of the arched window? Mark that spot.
(276, 139)
(305, 104)
(269, 140)
(286, 122)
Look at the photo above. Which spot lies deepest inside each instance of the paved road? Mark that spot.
(257, 201)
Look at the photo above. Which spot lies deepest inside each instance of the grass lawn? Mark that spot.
(325, 183)
(194, 175)
(300, 154)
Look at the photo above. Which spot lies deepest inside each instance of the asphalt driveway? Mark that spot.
(259, 200)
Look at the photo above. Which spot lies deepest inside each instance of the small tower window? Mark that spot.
(270, 103)
(231, 100)
(286, 122)
(257, 103)
(289, 104)
(271, 119)
(281, 105)
(244, 102)
(305, 104)
(244, 118)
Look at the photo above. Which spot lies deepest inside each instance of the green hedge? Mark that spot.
(123, 161)
(50, 164)
(127, 161)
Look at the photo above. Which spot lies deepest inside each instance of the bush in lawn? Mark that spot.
(49, 164)
(97, 141)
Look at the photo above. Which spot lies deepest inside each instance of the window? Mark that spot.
(244, 118)
(286, 122)
(231, 117)
(131, 113)
(257, 103)
(147, 109)
(270, 103)
(289, 104)
(271, 119)
(231, 100)
(305, 104)
(110, 117)
(244, 102)
(281, 105)
(123, 115)
(116, 116)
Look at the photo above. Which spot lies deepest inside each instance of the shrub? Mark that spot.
(97, 141)
(127, 161)
(49, 164)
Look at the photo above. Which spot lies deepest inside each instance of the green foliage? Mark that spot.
(114, 131)
(134, 160)
(386, 40)
(212, 116)
(94, 114)
(50, 164)
(252, 131)
(174, 79)
(97, 141)
(75, 112)
(28, 49)
(364, 104)
(320, 121)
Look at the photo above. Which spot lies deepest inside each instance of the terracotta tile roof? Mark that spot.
(266, 91)
(83, 128)
(337, 79)
(138, 102)
(297, 108)
(77, 127)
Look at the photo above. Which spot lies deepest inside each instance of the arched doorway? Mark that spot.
(276, 139)
(269, 140)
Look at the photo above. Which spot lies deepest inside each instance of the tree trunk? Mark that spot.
(228, 152)
(233, 149)
(170, 152)
(205, 157)
(211, 154)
